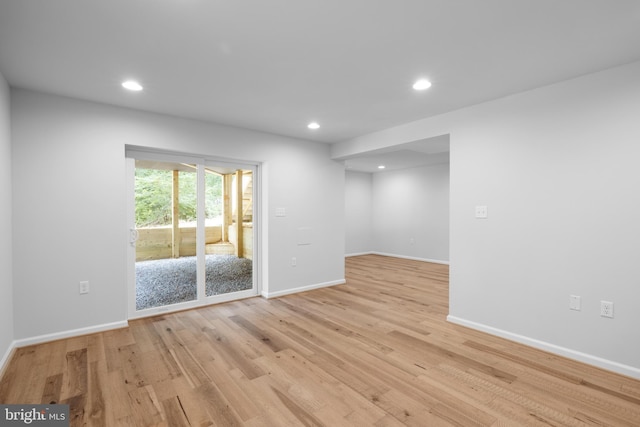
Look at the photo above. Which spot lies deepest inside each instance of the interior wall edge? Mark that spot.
(7, 312)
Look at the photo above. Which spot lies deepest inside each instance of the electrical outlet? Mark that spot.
(294, 262)
(481, 212)
(574, 302)
(606, 309)
(84, 287)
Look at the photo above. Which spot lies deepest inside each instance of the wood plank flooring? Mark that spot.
(376, 351)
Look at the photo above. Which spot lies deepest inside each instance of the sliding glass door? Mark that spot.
(191, 232)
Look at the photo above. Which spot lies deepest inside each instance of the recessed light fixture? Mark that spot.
(313, 125)
(381, 167)
(422, 84)
(132, 85)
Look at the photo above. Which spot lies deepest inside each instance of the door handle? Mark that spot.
(133, 236)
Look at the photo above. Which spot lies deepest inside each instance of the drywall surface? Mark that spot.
(557, 168)
(359, 213)
(69, 171)
(6, 271)
(411, 212)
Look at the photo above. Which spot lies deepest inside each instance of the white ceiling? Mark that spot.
(276, 65)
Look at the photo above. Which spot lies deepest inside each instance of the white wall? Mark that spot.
(558, 169)
(359, 213)
(69, 205)
(411, 212)
(401, 213)
(6, 271)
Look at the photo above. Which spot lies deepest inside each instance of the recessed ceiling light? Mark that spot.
(313, 125)
(132, 85)
(381, 167)
(422, 84)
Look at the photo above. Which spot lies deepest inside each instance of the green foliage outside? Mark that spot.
(153, 197)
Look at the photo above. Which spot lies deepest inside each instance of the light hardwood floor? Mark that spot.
(374, 352)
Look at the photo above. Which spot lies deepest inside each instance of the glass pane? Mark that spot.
(213, 198)
(166, 217)
(229, 254)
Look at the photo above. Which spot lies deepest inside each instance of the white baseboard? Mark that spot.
(72, 333)
(589, 359)
(357, 254)
(435, 261)
(303, 289)
(7, 356)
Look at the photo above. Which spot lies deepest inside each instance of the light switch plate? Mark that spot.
(84, 287)
(574, 302)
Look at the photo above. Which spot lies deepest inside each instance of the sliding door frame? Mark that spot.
(142, 153)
